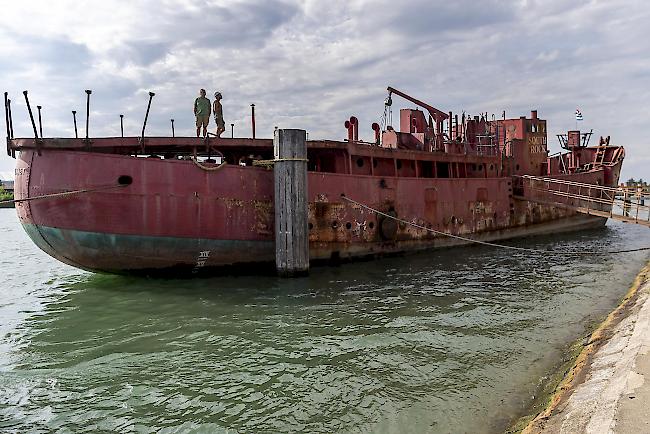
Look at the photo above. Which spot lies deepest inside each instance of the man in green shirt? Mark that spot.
(202, 109)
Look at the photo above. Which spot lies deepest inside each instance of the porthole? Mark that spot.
(125, 180)
(348, 225)
(360, 162)
(311, 226)
(399, 164)
(371, 225)
(335, 224)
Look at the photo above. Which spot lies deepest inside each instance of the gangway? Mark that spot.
(627, 204)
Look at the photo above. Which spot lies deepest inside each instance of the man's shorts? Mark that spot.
(220, 123)
(202, 121)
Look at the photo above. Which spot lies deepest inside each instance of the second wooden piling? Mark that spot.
(291, 232)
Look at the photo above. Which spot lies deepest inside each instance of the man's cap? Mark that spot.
(217, 95)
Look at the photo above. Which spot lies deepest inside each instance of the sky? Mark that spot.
(312, 64)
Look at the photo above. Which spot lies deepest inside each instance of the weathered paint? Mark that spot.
(174, 212)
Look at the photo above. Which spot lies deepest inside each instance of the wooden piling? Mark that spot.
(290, 173)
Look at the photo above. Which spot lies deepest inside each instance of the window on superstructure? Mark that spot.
(426, 169)
(442, 169)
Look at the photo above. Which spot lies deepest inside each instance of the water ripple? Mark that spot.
(435, 342)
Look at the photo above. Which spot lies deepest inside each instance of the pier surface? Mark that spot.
(608, 389)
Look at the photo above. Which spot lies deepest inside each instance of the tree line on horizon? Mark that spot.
(634, 183)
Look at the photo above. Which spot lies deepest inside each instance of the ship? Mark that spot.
(190, 205)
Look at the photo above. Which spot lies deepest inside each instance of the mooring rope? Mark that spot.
(269, 163)
(64, 193)
(487, 243)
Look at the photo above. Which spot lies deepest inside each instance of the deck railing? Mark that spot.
(629, 204)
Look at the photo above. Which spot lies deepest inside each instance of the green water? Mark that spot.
(450, 341)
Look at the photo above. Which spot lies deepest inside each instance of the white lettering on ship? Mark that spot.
(201, 260)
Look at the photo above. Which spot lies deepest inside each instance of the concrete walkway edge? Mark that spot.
(605, 391)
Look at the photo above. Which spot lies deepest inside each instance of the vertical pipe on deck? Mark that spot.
(290, 179)
(11, 126)
(11, 120)
(173, 132)
(7, 122)
(31, 115)
(74, 120)
(40, 121)
(462, 128)
(232, 131)
(122, 125)
(88, 92)
(375, 127)
(354, 122)
(253, 118)
(146, 116)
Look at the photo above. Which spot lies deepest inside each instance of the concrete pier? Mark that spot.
(608, 389)
(291, 232)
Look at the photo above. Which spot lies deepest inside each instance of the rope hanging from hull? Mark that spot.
(65, 193)
(487, 243)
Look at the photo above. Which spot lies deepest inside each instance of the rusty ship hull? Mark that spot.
(173, 212)
(174, 208)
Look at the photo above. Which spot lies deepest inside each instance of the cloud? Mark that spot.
(311, 64)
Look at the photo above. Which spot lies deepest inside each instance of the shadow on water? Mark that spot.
(452, 340)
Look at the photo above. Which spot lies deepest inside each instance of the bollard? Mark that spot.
(290, 179)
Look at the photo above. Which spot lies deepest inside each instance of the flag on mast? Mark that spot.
(578, 115)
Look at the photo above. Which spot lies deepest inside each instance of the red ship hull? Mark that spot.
(166, 210)
(173, 212)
